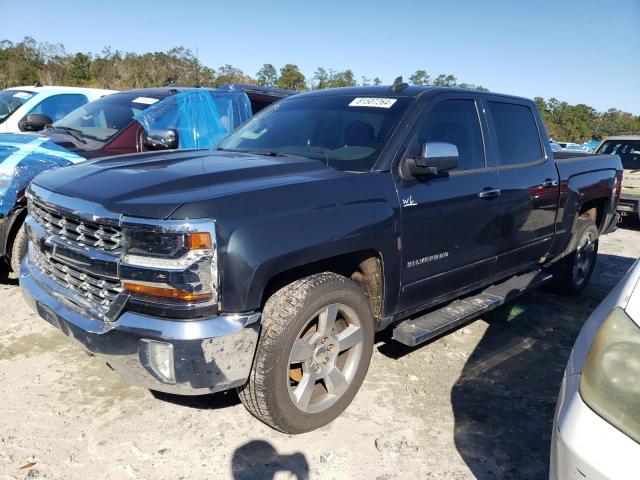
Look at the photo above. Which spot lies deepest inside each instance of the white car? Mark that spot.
(596, 430)
(54, 102)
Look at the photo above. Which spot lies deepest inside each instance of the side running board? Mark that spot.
(418, 330)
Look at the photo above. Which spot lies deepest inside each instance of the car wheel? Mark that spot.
(574, 271)
(19, 248)
(313, 353)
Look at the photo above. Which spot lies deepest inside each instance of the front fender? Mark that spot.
(256, 252)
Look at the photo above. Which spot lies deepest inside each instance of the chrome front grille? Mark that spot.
(99, 292)
(77, 231)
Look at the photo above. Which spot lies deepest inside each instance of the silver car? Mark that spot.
(596, 430)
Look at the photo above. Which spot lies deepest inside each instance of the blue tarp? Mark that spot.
(22, 157)
(201, 117)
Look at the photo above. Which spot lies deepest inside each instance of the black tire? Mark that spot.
(18, 248)
(268, 391)
(573, 272)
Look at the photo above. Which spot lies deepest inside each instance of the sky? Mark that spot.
(578, 51)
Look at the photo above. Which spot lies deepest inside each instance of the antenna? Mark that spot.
(398, 85)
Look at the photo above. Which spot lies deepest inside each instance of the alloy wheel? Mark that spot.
(324, 358)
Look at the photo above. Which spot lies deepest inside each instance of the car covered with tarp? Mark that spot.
(133, 121)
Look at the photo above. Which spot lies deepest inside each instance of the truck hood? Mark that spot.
(152, 185)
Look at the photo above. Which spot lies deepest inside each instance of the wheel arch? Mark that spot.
(364, 267)
(594, 209)
(13, 222)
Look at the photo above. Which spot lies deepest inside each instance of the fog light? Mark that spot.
(157, 357)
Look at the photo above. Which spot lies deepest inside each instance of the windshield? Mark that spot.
(629, 151)
(345, 132)
(103, 118)
(11, 100)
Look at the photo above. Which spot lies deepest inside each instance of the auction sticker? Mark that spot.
(145, 100)
(372, 102)
(23, 95)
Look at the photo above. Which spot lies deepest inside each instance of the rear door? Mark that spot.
(449, 225)
(529, 183)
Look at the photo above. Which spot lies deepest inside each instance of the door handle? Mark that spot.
(489, 193)
(548, 183)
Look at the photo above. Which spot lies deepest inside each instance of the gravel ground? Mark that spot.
(478, 402)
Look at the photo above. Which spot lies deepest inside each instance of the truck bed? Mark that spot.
(570, 164)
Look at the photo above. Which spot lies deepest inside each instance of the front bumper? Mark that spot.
(208, 354)
(583, 445)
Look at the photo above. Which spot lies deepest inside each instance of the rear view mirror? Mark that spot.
(160, 139)
(34, 122)
(436, 157)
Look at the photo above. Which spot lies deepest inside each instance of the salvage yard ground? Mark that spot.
(476, 403)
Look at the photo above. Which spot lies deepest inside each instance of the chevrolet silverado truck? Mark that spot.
(268, 263)
(627, 147)
(145, 119)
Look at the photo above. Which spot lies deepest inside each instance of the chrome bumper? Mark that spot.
(208, 355)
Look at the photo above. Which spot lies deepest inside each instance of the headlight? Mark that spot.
(610, 381)
(172, 262)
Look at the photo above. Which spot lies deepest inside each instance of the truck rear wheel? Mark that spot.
(313, 353)
(574, 271)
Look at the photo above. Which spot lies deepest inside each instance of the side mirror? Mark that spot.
(160, 139)
(436, 157)
(34, 122)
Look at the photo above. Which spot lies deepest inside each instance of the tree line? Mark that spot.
(29, 62)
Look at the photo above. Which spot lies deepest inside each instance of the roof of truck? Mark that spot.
(408, 91)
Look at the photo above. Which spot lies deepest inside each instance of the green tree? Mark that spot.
(419, 77)
(291, 78)
(79, 72)
(230, 74)
(320, 79)
(377, 81)
(341, 79)
(267, 76)
(444, 80)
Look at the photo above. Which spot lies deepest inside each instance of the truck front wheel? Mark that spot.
(313, 354)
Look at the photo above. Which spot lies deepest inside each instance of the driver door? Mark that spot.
(449, 220)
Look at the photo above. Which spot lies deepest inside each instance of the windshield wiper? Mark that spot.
(74, 132)
(266, 153)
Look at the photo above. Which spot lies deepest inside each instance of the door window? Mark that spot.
(58, 106)
(456, 122)
(516, 133)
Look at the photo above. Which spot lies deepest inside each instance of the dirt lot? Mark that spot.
(476, 403)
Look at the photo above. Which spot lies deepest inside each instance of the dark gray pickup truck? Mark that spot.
(268, 263)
